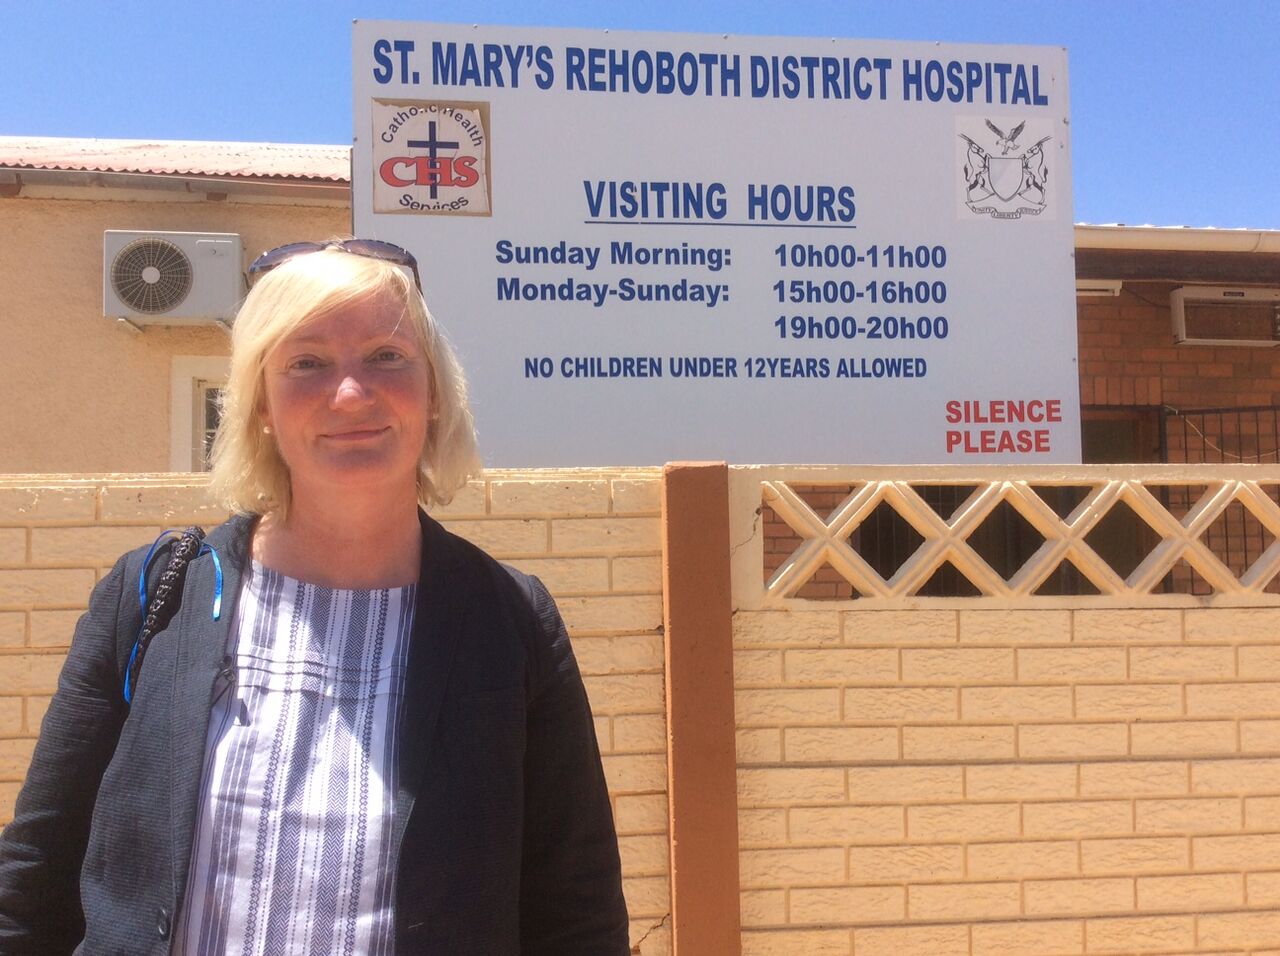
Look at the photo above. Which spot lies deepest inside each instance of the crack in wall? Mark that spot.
(635, 949)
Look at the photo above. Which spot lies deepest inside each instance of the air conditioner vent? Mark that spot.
(151, 275)
(1220, 315)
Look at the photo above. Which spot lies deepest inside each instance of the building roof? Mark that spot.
(259, 161)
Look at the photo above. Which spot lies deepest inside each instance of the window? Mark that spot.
(196, 383)
(208, 412)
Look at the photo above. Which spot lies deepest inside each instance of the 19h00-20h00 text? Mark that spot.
(872, 327)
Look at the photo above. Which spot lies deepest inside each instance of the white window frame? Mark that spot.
(186, 430)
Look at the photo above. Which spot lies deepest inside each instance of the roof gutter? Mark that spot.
(1177, 239)
(12, 180)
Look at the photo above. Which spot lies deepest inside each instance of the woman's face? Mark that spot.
(348, 398)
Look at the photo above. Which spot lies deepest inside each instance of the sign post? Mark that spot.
(649, 247)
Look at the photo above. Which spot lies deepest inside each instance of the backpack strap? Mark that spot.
(168, 596)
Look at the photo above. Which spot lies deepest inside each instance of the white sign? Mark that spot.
(649, 247)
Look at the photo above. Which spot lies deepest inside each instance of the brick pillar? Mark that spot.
(701, 759)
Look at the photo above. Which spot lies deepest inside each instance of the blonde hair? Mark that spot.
(248, 474)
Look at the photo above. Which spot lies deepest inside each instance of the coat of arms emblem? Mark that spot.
(1010, 184)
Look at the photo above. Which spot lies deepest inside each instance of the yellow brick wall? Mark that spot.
(593, 538)
(1065, 780)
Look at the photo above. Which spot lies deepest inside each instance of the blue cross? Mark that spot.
(431, 144)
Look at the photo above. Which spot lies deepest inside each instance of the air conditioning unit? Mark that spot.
(171, 278)
(1222, 315)
(1109, 288)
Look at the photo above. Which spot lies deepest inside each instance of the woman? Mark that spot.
(379, 742)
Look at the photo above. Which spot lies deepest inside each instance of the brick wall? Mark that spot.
(781, 542)
(1127, 357)
(987, 781)
(593, 537)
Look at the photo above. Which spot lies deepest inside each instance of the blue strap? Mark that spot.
(142, 604)
(128, 691)
(146, 566)
(217, 578)
(142, 596)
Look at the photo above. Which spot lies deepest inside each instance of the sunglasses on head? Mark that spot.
(369, 248)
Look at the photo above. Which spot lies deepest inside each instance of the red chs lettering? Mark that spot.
(402, 171)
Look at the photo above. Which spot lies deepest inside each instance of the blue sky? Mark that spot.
(1175, 105)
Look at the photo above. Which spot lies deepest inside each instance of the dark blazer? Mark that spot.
(506, 837)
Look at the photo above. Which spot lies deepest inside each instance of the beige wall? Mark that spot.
(1017, 771)
(593, 537)
(81, 393)
(949, 776)
(1065, 780)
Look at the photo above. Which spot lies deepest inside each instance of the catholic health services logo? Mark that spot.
(431, 158)
(1004, 167)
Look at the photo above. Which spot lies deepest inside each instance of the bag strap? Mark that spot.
(168, 596)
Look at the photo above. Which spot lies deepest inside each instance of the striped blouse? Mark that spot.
(292, 851)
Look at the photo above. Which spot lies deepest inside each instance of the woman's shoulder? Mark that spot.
(230, 538)
(446, 550)
(518, 589)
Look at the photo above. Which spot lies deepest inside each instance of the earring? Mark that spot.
(266, 429)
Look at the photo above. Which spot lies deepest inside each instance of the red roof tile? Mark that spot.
(178, 157)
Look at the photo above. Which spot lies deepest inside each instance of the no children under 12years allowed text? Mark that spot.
(722, 366)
